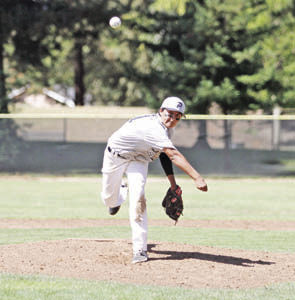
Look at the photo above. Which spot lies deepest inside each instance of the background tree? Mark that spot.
(81, 23)
(20, 27)
(66, 32)
(195, 55)
(203, 51)
(272, 83)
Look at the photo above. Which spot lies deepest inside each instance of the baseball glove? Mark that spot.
(173, 204)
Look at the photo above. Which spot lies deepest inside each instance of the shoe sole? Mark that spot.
(140, 260)
(113, 210)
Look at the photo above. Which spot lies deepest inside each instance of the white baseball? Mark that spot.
(115, 22)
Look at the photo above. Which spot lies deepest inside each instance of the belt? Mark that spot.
(115, 153)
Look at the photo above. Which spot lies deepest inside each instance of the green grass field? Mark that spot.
(31, 197)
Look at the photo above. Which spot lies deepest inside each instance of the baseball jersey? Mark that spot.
(142, 138)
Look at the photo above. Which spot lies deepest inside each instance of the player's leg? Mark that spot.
(113, 194)
(137, 174)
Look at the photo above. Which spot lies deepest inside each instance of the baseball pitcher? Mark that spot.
(128, 152)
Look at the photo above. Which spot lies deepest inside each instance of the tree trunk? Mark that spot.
(79, 73)
(227, 134)
(202, 138)
(3, 99)
(227, 145)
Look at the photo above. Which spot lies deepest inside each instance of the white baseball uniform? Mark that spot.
(129, 151)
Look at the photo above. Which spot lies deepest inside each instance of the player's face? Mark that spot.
(170, 118)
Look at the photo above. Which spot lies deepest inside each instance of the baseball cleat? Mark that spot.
(114, 210)
(139, 257)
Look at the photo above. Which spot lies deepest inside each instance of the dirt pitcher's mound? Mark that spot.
(170, 264)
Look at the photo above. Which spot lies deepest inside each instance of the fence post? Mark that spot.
(64, 130)
(276, 128)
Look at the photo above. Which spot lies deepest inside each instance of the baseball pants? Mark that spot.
(114, 193)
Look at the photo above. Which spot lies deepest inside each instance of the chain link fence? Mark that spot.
(215, 145)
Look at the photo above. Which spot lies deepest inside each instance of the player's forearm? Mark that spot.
(180, 161)
(184, 165)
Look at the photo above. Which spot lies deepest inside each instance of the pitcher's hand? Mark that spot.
(201, 184)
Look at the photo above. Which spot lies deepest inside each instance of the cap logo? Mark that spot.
(179, 105)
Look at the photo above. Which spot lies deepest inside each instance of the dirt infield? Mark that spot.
(170, 264)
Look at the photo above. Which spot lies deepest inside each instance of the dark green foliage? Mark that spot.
(272, 83)
(21, 26)
(10, 143)
(236, 53)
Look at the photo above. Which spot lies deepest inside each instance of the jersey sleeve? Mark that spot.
(158, 140)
